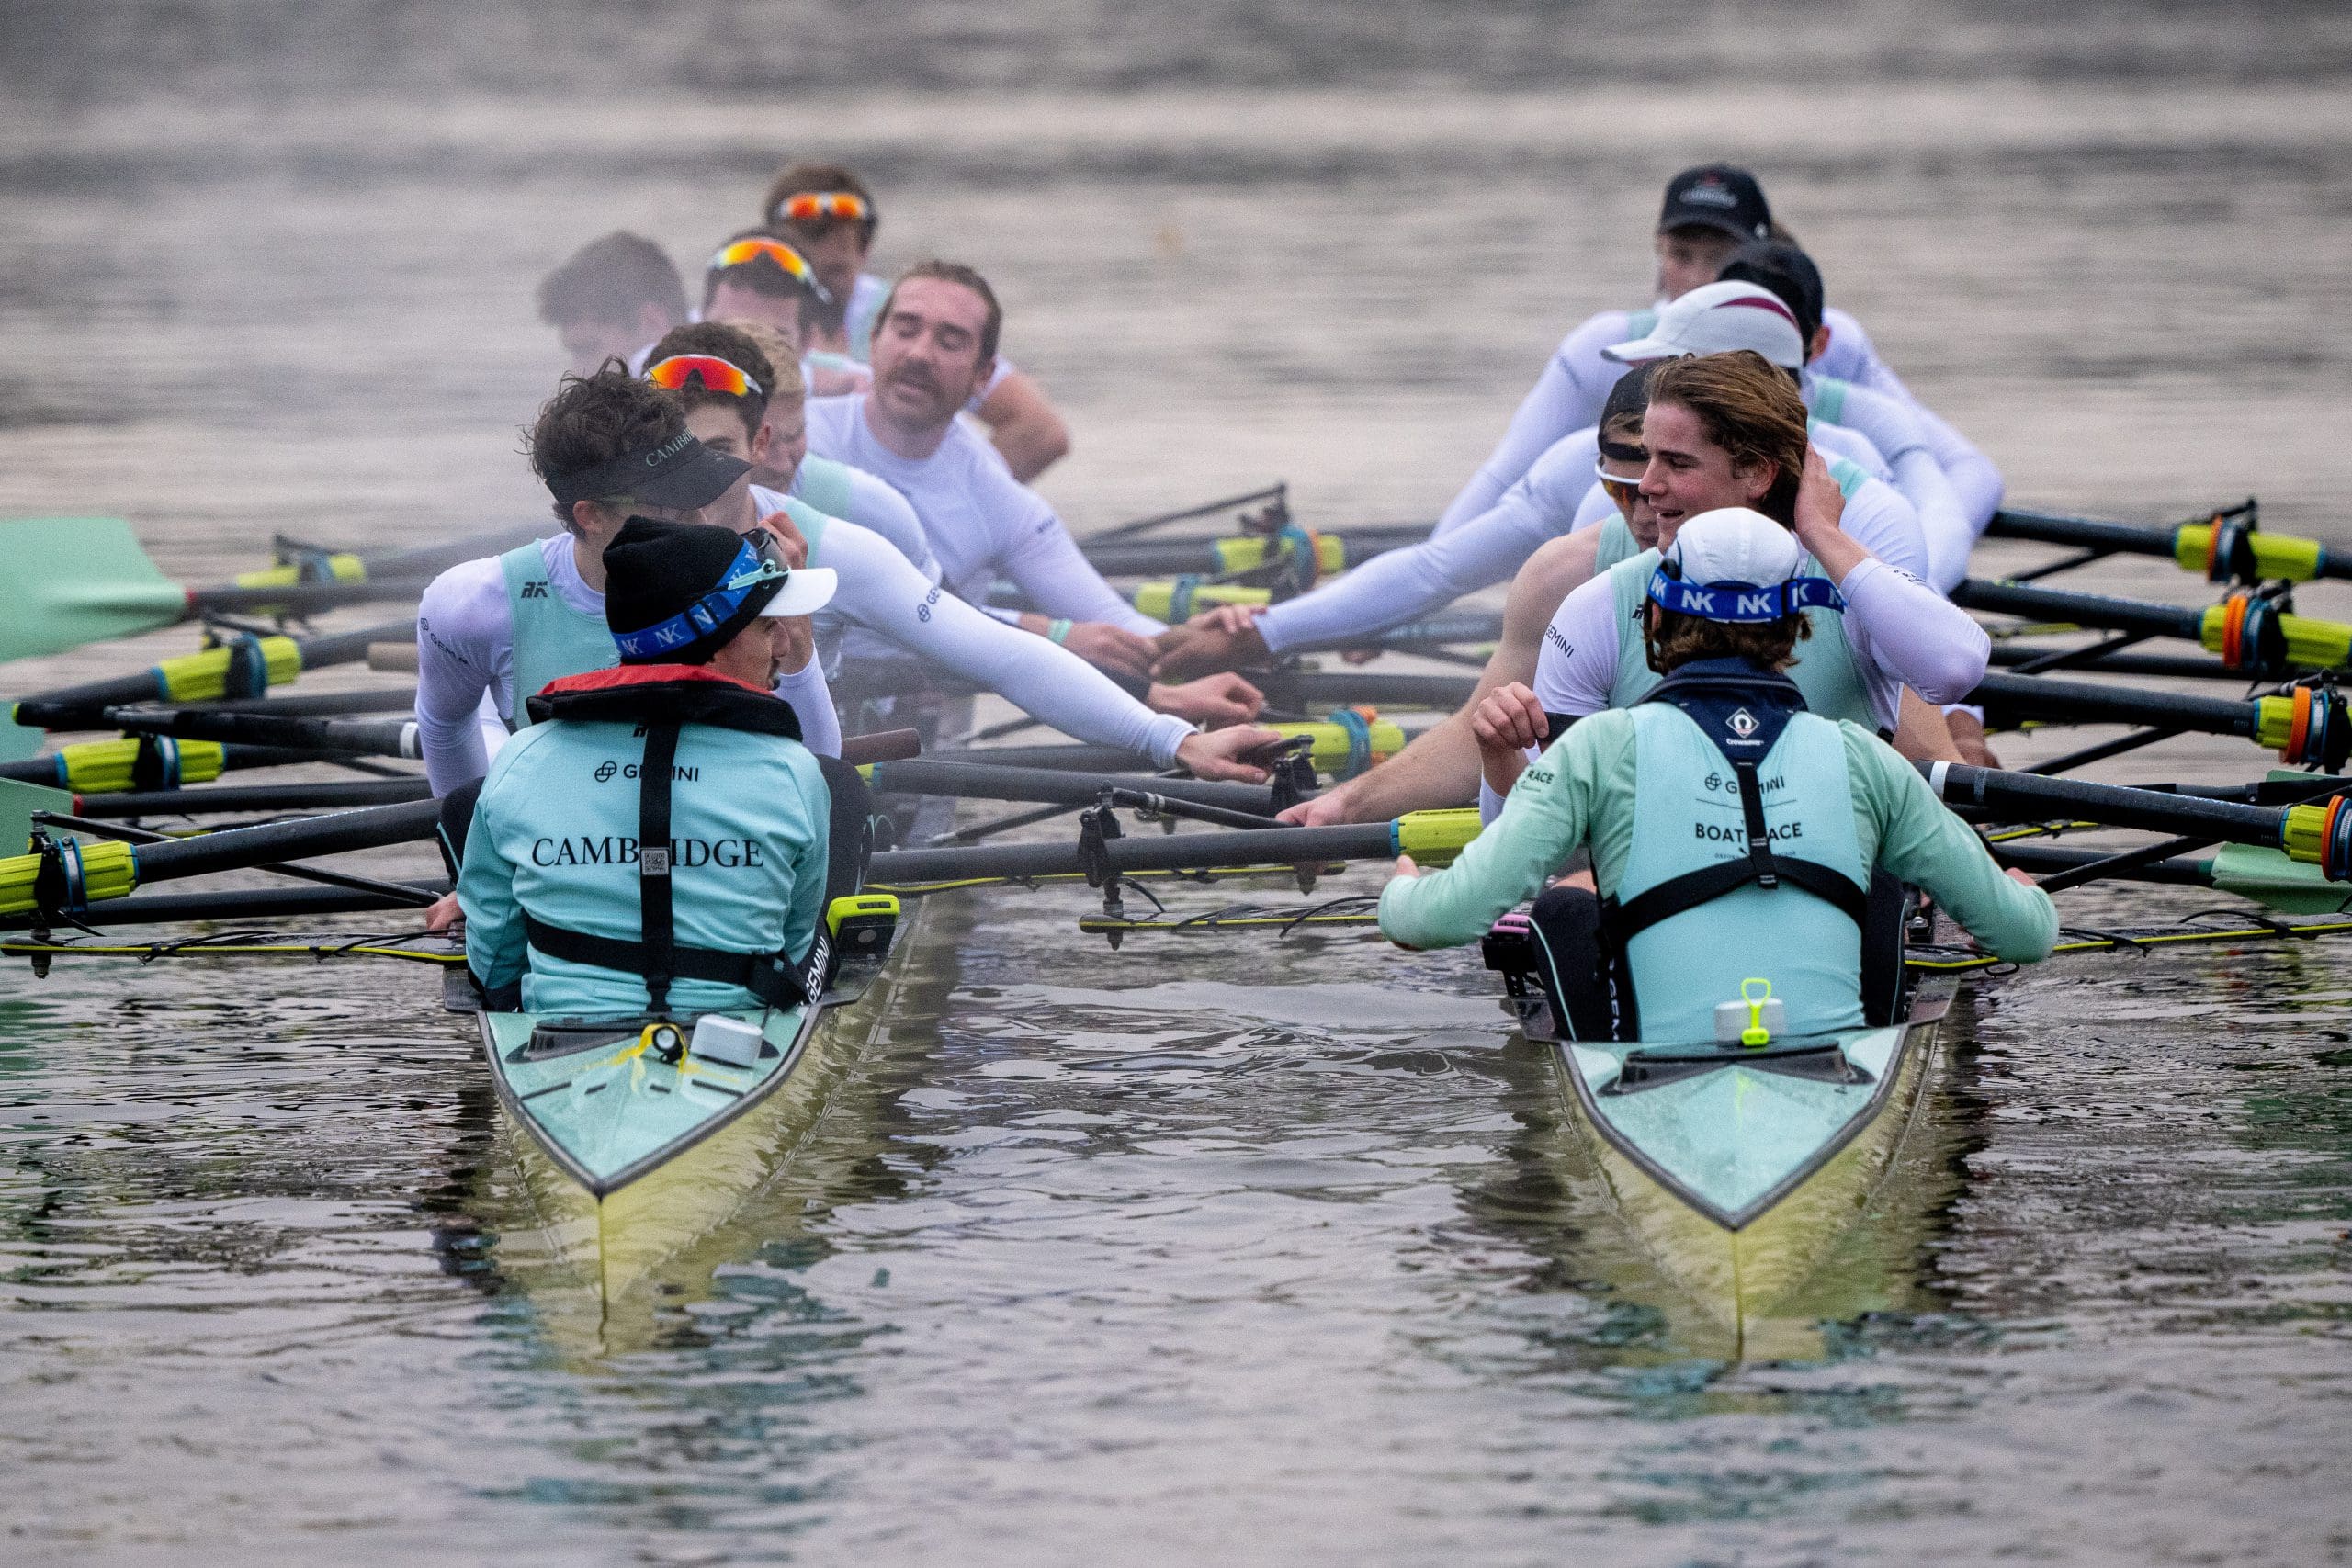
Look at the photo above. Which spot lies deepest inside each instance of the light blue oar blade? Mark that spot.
(70, 581)
(18, 801)
(2270, 878)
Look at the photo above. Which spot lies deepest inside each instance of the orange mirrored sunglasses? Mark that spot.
(795, 267)
(808, 206)
(715, 373)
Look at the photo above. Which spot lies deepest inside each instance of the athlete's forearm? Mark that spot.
(1923, 843)
(1060, 581)
(812, 703)
(1542, 823)
(1025, 430)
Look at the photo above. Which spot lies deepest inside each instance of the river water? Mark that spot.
(1214, 1249)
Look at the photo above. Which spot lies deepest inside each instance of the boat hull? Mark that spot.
(1744, 1189)
(614, 1208)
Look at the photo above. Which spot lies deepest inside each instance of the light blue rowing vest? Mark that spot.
(1828, 399)
(551, 639)
(1686, 817)
(1617, 543)
(1825, 670)
(824, 484)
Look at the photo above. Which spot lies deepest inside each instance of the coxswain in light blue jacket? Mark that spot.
(1735, 836)
(659, 840)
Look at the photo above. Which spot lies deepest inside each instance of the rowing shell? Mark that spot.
(1740, 1171)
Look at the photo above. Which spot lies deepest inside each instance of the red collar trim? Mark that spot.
(622, 677)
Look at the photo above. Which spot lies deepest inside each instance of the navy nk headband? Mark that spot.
(706, 615)
(1740, 601)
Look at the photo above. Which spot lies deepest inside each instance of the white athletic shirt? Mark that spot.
(1903, 632)
(465, 650)
(881, 595)
(873, 506)
(1575, 381)
(1477, 552)
(981, 522)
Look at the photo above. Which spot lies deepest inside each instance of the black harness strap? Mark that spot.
(658, 949)
(767, 976)
(1760, 865)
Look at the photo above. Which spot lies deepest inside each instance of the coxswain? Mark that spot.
(1735, 835)
(610, 299)
(830, 213)
(936, 342)
(1709, 213)
(898, 609)
(608, 446)
(661, 843)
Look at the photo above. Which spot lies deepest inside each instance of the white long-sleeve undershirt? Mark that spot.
(465, 652)
(880, 591)
(1902, 631)
(980, 521)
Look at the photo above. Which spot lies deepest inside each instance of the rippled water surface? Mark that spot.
(1214, 1249)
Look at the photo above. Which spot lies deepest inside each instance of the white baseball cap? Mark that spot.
(1718, 318)
(1733, 564)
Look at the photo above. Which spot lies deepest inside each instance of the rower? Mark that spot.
(894, 604)
(937, 341)
(1553, 498)
(1728, 431)
(755, 277)
(662, 843)
(778, 448)
(1734, 834)
(610, 299)
(1975, 483)
(608, 446)
(1441, 767)
(829, 213)
(1709, 213)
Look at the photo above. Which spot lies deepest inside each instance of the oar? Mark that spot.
(70, 582)
(2163, 666)
(1236, 804)
(2249, 632)
(2314, 835)
(237, 904)
(149, 762)
(349, 737)
(244, 666)
(2307, 727)
(1432, 837)
(1276, 496)
(1242, 553)
(336, 795)
(65, 876)
(396, 892)
(1339, 747)
(2226, 545)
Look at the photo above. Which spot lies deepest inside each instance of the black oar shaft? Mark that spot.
(982, 780)
(241, 904)
(84, 706)
(2084, 609)
(362, 737)
(2034, 696)
(340, 795)
(2026, 798)
(235, 849)
(304, 598)
(1180, 852)
(2044, 860)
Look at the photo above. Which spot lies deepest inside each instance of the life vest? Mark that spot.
(1826, 670)
(662, 699)
(1744, 861)
(551, 639)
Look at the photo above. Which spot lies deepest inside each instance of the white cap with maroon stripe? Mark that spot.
(1718, 318)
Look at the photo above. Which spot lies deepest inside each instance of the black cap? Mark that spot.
(680, 472)
(1716, 196)
(1788, 272)
(667, 593)
(1631, 395)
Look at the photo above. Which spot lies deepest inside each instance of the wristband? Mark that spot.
(1058, 631)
